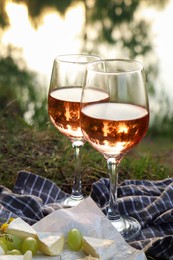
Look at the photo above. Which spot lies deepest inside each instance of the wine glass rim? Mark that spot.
(76, 58)
(138, 67)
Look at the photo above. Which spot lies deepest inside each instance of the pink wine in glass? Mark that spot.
(64, 111)
(114, 128)
(65, 88)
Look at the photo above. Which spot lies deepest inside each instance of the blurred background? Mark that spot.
(34, 32)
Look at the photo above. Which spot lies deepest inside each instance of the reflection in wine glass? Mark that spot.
(116, 123)
(64, 108)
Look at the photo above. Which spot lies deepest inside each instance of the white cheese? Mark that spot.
(51, 243)
(2, 252)
(88, 258)
(102, 249)
(26, 256)
(20, 228)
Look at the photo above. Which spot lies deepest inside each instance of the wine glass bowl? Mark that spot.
(64, 97)
(64, 110)
(115, 124)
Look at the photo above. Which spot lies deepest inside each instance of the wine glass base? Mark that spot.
(128, 227)
(71, 201)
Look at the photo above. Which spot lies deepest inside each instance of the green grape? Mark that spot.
(13, 242)
(74, 239)
(31, 244)
(14, 252)
(3, 244)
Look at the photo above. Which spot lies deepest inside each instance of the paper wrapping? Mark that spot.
(90, 220)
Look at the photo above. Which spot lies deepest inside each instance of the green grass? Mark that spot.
(44, 151)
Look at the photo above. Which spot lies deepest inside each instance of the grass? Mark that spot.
(41, 151)
(44, 151)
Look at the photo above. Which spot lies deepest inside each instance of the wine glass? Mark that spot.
(64, 109)
(115, 122)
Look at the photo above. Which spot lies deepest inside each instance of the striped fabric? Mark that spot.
(150, 202)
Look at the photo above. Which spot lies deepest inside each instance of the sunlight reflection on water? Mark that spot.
(53, 37)
(58, 35)
(163, 42)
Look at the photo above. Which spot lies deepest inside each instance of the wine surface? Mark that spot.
(114, 128)
(64, 109)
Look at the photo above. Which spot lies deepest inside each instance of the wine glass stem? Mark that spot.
(77, 184)
(113, 212)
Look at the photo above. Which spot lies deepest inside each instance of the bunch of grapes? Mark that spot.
(14, 245)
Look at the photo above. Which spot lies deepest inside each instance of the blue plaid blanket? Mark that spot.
(150, 202)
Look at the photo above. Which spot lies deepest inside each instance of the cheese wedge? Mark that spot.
(2, 252)
(88, 258)
(26, 256)
(50, 243)
(102, 249)
(20, 228)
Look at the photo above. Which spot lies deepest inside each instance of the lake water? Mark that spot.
(56, 36)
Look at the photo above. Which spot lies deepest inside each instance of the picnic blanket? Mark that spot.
(150, 202)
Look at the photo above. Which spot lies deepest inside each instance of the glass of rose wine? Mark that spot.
(64, 109)
(115, 122)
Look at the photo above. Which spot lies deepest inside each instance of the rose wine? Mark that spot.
(64, 109)
(114, 128)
